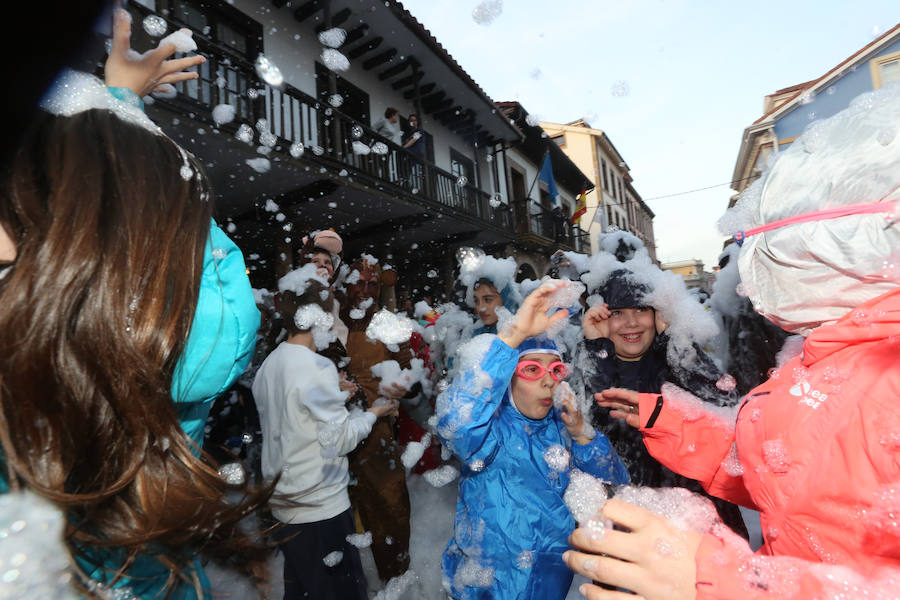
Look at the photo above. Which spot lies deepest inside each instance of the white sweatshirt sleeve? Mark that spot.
(335, 427)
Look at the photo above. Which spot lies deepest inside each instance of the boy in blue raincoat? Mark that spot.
(497, 417)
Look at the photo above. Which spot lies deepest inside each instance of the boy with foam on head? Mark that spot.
(307, 435)
(497, 416)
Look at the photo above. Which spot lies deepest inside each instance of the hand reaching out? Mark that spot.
(624, 405)
(646, 554)
(144, 73)
(531, 318)
(385, 409)
(346, 384)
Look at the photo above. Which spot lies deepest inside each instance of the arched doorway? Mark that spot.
(524, 272)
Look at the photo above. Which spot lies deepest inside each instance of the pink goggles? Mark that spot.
(532, 370)
(822, 215)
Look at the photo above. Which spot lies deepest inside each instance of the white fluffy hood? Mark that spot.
(804, 275)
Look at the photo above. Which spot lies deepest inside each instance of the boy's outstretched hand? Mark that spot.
(531, 318)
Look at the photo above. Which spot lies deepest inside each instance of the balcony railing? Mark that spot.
(557, 228)
(299, 120)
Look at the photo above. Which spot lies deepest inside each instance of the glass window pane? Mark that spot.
(890, 71)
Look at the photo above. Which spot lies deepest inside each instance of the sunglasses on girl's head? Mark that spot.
(532, 370)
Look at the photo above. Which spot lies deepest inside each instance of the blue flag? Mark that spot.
(547, 177)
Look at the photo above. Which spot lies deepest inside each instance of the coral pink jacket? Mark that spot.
(818, 447)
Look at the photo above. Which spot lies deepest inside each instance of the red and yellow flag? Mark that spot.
(580, 206)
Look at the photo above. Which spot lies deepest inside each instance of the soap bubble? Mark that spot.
(335, 100)
(232, 473)
(268, 71)
(296, 150)
(244, 134)
(223, 113)
(389, 328)
(334, 60)
(726, 383)
(886, 135)
(557, 457)
(487, 11)
(260, 165)
(585, 496)
(441, 476)
(333, 37)
(155, 26)
(620, 89)
(360, 540)
(462, 180)
(469, 256)
(356, 131)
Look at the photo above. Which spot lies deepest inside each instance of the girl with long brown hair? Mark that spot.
(123, 313)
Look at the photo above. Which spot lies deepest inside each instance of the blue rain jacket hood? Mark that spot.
(512, 525)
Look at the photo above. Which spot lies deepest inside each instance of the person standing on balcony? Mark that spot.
(415, 137)
(415, 143)
(389, 126)
(380, 494)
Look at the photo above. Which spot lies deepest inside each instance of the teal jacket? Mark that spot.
(218, 350)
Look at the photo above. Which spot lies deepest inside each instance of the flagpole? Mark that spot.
(534, 181)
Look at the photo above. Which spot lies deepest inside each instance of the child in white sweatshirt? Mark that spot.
(307, 432)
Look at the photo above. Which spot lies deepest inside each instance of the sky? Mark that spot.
(694, 75)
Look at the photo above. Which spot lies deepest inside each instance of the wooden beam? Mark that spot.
(336, 19)
(356, 34)
(307, 9)
(468, 131)
(436, 105)
(441, 114)
(433, 97)
(394, 71)
(407, 81)
(379, 59)
(364, 47)
(423, 89)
